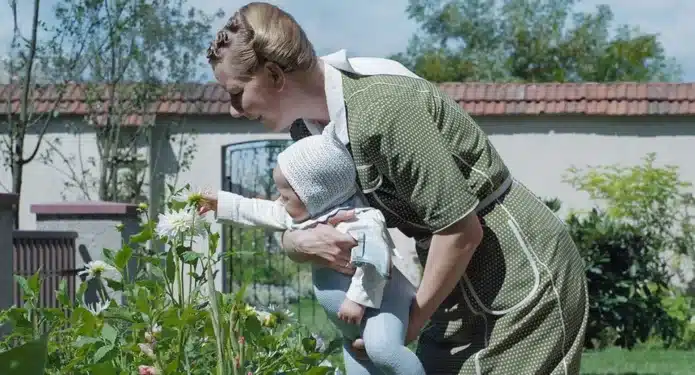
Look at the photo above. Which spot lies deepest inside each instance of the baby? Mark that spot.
(316, 178)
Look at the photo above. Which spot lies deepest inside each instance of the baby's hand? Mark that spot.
(351, 312)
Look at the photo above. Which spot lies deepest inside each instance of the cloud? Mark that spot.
(379, 27)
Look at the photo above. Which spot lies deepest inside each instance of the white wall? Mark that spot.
(537, 149)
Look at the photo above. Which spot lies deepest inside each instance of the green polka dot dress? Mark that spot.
(521, 307)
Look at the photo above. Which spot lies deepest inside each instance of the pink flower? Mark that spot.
(147, 370)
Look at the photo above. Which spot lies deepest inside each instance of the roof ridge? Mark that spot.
(479, 98)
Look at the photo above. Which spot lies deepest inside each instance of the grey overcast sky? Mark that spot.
(380, 27)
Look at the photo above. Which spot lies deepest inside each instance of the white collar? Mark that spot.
(333, 84)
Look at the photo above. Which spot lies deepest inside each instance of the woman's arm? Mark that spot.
(450, 252)
(322, 244)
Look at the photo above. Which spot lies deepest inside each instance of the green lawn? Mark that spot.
(607, 362)
(639, 362)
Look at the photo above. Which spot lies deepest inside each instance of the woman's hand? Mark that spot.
(323, 244)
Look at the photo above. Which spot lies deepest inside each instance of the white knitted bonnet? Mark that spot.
(321, 172)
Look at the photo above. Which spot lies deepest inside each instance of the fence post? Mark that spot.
(95, 224)
(7, 202)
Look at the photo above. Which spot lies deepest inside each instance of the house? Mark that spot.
(539, 129)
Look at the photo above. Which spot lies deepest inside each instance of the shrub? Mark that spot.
(653, 199)
(681, 308)
(625, 282)
(158, 325)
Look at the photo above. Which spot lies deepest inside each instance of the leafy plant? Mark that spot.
(169, 318)
(650, 197)
(626, 281)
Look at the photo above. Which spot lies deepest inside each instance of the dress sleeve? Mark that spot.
(402, 138)
(237, 210)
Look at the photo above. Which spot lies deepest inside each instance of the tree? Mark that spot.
(142, 51)
(25, 67)
(529, 41)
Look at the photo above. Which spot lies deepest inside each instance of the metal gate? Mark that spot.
(253, 257)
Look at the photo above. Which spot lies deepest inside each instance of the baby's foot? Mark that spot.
(351, 312)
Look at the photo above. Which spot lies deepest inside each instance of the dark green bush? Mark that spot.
(625, 280)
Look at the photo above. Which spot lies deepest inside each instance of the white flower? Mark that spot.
(97, 308)
(191, 196)
(262, 315)
(283, 315)
(320, 343)
(185, 222)
(152, 333)
(97, 268)
(147, 350)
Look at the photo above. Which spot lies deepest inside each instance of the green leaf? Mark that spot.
(122, 257)
(23, 284)
(85, 340)
(143, 302)
(104, 368)
(213, 240)
(334, 346)
(320, 370)
(309, 344)
(170, 265)
(27, 359)
(62, 293)
(35, 282)
(79, 295)
(101, 353)
(143, 236)
(108, 254)
(113, 284)
(190, 257)
(109, 333)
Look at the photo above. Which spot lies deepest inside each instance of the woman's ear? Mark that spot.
(276, 75)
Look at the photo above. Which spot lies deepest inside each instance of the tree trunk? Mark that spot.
(17, 170)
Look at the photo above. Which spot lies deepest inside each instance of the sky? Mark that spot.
(381, 27)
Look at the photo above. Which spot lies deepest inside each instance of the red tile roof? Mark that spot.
(479, 99)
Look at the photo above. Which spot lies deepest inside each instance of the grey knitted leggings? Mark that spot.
(383, 330)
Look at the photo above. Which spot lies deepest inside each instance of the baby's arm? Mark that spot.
(249, 212)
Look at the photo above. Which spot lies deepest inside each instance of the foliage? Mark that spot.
(681, 308)
(529, 41)
(652, 198)
(638, 252)
(160, 313)
(27, 359)
(29, 60)
(256, 258)
(138, 51)
(625, 279)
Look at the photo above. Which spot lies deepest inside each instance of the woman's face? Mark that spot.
(263, 98)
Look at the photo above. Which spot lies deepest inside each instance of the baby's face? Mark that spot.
(293, 205)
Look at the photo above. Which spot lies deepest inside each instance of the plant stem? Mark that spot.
(216, 324)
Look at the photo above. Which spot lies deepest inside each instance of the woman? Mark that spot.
(503, 286)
